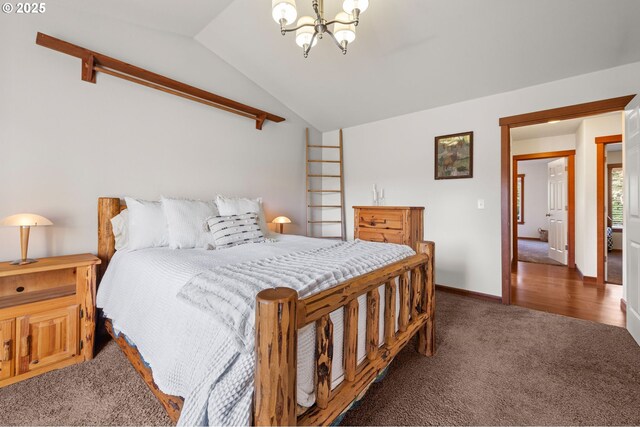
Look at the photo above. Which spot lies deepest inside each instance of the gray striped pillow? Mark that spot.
(233, 230)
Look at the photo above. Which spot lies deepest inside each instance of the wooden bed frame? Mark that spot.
(279, 316)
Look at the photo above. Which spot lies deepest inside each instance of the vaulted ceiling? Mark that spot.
(184, 17)
(409, 55)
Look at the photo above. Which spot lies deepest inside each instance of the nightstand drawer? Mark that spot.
(39, 286)
(383, 236)
(46, 338)
(385, 219)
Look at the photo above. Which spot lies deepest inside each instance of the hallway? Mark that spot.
(560, 290)
(536, 251)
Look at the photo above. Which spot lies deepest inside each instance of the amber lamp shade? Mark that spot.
(25, 222)
(281, 221)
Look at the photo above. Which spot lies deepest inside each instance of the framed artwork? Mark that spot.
(454, 156)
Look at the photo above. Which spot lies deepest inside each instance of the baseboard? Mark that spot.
(623, 305)
(529, 238)
(579, 272)
(471, 294)
(586, 279)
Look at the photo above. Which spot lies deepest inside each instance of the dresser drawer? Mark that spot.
(383, 236)
(381, 219)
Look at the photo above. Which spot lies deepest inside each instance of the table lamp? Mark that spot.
(281, 221)
(25, 222)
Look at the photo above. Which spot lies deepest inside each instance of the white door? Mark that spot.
(631, 279)
(557, 209)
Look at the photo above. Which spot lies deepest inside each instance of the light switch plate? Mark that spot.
(480, 203)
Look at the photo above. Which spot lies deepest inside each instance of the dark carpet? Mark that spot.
(104, 391)
(495, 365)
(614, 267)
(535, 251)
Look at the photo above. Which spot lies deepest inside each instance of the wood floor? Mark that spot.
(560, 290)
(614, 267)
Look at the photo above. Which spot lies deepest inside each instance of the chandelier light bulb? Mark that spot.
(309, 29)
(284, 10)
(343, 32)
(305, 34)
(350, 6)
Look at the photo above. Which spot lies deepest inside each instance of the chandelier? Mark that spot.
(309, 29)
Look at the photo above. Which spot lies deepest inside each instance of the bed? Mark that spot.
(312, 355)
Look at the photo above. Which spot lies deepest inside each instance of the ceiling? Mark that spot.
(523, 164)
(184, 17)
(545, 130)
(410, 55)
(613, 147)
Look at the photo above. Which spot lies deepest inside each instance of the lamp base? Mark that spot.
(23, 261)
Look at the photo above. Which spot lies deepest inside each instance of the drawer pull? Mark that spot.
(6, 351)
(375, 222)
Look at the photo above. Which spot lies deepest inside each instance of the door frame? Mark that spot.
(571, 200)
(544, 116)
(601, 142)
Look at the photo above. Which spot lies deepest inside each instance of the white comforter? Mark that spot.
(189, 353)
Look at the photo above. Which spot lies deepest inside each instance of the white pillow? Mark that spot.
(238, 206)
(187, 222)
(147, 224)
(233, 230)
(120, 226)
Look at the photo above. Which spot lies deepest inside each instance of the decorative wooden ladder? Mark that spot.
(316, 196)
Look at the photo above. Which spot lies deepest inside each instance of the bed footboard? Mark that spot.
(280, 314)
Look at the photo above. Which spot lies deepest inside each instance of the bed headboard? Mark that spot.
(108, 207)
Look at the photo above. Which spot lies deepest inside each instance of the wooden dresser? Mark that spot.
(389, 224)
(47, 315)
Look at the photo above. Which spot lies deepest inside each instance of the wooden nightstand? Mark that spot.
(47, 315)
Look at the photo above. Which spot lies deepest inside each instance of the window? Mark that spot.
(520, 199)
(615, 179)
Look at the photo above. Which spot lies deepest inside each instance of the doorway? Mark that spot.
(610, 202)
(554, 288)
(544, 208)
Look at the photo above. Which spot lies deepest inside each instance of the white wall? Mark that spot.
(586, 200)
(397, 153)
(535, 197)
(614, 157)
(64, 142)
(543, 145)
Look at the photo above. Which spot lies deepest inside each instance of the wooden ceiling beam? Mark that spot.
(93, 62)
